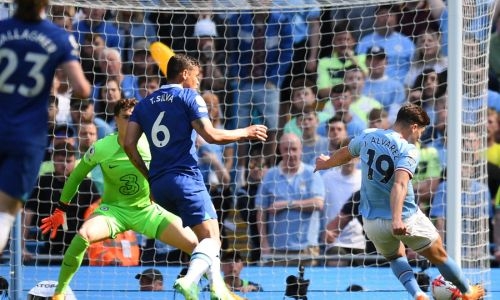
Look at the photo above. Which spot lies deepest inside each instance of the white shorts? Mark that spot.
(421, 234)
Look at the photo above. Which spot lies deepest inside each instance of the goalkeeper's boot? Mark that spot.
(219, 291)
(188, 289)
(476, 292)
(421, 296)
(58, 297)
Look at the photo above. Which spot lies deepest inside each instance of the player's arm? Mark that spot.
(58, 217)
(79, 84)
(398, 195)
(340, 157)
(134, 132)
(204, 127)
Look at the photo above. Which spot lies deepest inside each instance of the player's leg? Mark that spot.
(164, 226)
(96, 228)
(18, 172)
(379, 231)
(450, 270)
(9, 207)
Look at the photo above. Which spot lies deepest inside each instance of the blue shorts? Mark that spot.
(184, 195)
(19, 168)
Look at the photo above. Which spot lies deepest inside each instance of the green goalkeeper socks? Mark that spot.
(71, 262)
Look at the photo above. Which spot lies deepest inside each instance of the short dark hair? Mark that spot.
(178, 63)
(342, 26)
(231, 255)
(302, 83)
(377, 114)
(124, 104)
(64, 149)
(340, 89)
(29, 10)
(413, 114)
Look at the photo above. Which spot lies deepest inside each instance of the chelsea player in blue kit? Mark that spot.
(171, 118)
(391, 216)
(31, 49)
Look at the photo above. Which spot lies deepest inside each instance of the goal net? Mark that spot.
(315, 72)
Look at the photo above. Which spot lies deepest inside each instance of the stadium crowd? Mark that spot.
(315, 78)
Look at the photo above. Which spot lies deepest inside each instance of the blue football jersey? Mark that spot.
(165, 116)
(382, 152)
(30, 52)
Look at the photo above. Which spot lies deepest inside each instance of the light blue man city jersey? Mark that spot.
(382, 153)
(165, 117)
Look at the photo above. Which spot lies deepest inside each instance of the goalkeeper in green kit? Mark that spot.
(126, 203)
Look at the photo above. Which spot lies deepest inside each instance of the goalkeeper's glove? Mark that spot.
(56, 219)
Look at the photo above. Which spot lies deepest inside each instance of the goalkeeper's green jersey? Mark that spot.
(124, 185)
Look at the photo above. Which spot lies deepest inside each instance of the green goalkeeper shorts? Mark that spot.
(145, 220)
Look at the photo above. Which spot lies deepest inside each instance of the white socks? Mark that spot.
(6, 221)
(204, 259)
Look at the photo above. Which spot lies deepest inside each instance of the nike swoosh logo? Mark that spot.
(112, 167)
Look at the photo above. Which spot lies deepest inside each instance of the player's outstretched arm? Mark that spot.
(340, 157)
(134, 132)
(79, 84)
(204, 127)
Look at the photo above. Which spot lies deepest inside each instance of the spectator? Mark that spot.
(94, 22)
(45, 289)
(362, 104)
(109, 94)
(341, 99)
(260, 57)
(415, 18)
(306, 45)
(62, 133)
(231, 265)
(212, 61)
(435, 135)
(111, 65)
(150, 280)
(337, 133)
(378, 118)
(87, 136)
(472, 193)
(62, 91)
(90, 50)
(288, 202)
(133, 27)
(399, 48)
(82, 112)
(147, 85)
(313, 144)
(388, 91)
(433, 86)
(245, 200)
(360, 18)
(175, 29)
(48, 188)
(141, 63)
(428, 55)
(331, 69)
(303, 99)
(340, 184)
(474, 19)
